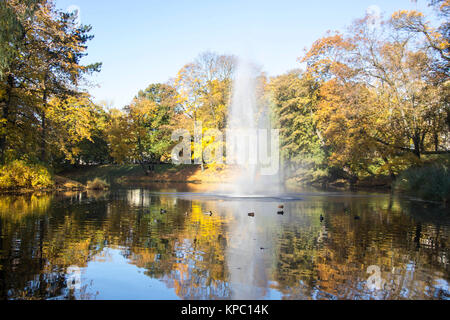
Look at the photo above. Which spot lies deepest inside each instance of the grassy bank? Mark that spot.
(112, 174)
(430, 182)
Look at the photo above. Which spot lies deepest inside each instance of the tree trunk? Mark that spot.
(436, 141)
(44, 128)
(43, 137)
(5, 116)
(391, 173)
(416, 141)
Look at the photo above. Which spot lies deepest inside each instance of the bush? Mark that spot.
(97, 184)
(20, 174)
(429, 183)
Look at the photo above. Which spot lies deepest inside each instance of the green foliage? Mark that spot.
(142, 132)
(20, 174)
(94, 151)
(204, 88)
(12, 30)
(294, 98)
(97, 184)
(430, 182)
(42, 112)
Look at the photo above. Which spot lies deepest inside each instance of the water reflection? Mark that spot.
(126, 249)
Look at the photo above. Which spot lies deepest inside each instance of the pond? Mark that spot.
(120, 245)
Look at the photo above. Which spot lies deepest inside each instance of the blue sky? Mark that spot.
(146, 41)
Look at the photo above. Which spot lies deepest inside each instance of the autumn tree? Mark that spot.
(45, 63)
(142, 131)
(117, 134)
(73, 121)
(204, 88)
(60, 71)
(294, 98)
(380, 99)
(12, 33)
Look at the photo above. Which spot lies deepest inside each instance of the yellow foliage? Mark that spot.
(97, 184)
(19, 174)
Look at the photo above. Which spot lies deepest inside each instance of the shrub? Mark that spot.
(429, 183)
(97, 184)
(20, 174)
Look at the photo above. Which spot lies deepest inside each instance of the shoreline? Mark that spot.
(189, 177)
(205, 187)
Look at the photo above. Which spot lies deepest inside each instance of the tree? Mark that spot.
(433, 38)
(142, 132)
(118, 136)
(60, 71)
(45, 63)
(204, 88)
(378, 85)
(12, 15)
(151, 114)
(70, 122)
(294, 97)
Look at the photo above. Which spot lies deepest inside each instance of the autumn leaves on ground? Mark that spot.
(366, 105)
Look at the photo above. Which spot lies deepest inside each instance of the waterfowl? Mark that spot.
(321, 218)
(280, 212)
(208, 213)
(281, 207)
(357, 217)
(251, 214)
(162, 211)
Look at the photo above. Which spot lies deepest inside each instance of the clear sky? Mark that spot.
(147, 41)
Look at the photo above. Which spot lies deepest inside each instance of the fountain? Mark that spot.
(249, 133)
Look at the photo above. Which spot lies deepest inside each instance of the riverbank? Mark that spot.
(208, 178)
(126, 175)
(131, 175)
(60, 183)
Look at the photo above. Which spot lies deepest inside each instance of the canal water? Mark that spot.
(169, 243)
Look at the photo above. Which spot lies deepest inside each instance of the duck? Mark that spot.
(280, 212)
(357, 218)
(321, 218)
(281, 207)
(208, 213)
(251, 214)
(162, 211)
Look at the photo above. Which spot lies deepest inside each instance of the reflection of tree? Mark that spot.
(336, 266)
(20, 207)
(192, 259)
(183, 251)
(43, 235)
